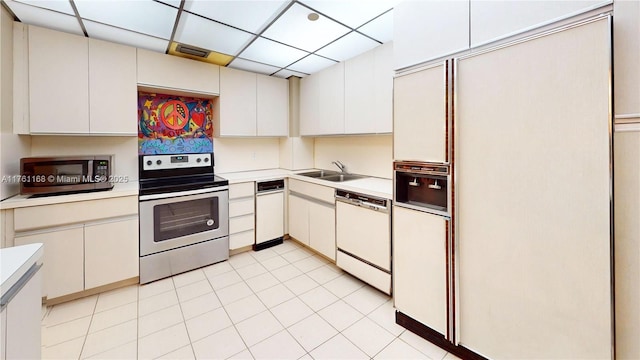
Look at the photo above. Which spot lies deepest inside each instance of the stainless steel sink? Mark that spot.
(319, 173)
(342, 177)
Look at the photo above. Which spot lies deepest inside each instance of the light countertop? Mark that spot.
(372, 186)
(119, 189)
(15, 262)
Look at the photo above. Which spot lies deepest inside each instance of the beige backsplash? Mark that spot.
(244, 154)
(367, 155)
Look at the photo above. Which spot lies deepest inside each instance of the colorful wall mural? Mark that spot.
(174, 124)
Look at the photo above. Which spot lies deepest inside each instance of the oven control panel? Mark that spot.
(162, 162)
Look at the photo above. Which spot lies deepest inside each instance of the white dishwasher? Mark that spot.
(363, 238)
(269, 214)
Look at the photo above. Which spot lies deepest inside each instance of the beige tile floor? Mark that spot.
(280, 303)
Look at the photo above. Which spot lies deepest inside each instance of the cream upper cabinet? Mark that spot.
(170, 72)
(272, 105)
(426, 30)
(626, 47)
(322, 102)
(58, 77)
(112, 88)
(368, 91)
(493, 20)
(420, 117)
(237, 103)
(251, 105)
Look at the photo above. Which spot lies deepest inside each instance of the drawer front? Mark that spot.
(374, 277)
(323, 193)
(241, 190)
(242, 239)
(241, 207)
(241, 223)
(37, 217)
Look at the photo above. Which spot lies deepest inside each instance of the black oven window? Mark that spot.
(183, 218)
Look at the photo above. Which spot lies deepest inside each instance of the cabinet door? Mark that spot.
(426, 30)
(419, 131)
(419, 266)
(237, 103)
(299, 218)
(309, 104)
(493, 20)
(269, 216)
(111, 252)
(112, 88)
(383, 88)
(359, 93)
(626, 47)
(63, 260)
(3, 328)
(322, 229)
(331, 101)
(23, 321)
(58, 82)
(273, 106)
(173, 72)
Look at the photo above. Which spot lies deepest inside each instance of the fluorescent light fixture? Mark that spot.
(286, 73)
(347, 47)
(253, 66)
(109, 33)
(272, 53)
(311, 64)
(206, 34)
(249, 15)
(380, 28)
(143, 16)
(59, 6)
(45, 18)
(293, 28)
(352, 13)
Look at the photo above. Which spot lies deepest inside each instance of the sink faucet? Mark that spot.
(340, 166)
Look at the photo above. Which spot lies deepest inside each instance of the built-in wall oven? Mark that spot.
(184, 215)
(423, 248)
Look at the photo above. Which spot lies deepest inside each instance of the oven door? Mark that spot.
(173, 220)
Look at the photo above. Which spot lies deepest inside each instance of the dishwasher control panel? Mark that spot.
(355, 198)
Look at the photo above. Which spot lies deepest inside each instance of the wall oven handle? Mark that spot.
(182, 193)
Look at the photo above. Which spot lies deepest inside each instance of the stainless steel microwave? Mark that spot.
(65, 175)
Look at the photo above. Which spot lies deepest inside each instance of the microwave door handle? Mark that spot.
(90, 169)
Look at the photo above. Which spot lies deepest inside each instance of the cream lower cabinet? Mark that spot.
(63, 260)
(419, 266)
(109, 253)
(21, 338)
(241, 215)
(312, 216)
(322, 228)
(87, 244)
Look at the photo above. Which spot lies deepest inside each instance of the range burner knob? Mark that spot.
(198, 160)
(206, 159)
(158, 162)
(149, 162)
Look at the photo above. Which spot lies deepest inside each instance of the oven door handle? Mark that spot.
(182, 193)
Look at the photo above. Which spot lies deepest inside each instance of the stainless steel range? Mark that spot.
(184, 215)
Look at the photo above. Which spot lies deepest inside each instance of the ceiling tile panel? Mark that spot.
(352, 13)
(311, 64)
(272, 53)
(286, 73)
(45, 18)
(293, 28)
(380, 28)
(207, 34)
(143, 16)
(249, 15)
(347, 47)
(55, 5)
(253, 66)
(109, 33)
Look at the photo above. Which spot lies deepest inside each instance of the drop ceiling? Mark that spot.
(273, 37)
